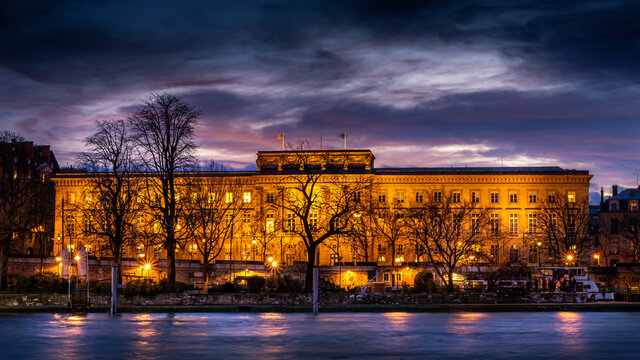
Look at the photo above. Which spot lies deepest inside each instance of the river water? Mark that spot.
(553, 335)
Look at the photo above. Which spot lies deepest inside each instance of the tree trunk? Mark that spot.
(119, 262)
(311, 262)
(4, 266)
(171, 264)
(450, 280)
(205, 268)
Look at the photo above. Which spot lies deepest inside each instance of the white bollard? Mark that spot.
(114, 288)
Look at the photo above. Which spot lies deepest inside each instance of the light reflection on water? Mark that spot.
(294, 336)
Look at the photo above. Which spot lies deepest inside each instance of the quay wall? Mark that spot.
(60, 300)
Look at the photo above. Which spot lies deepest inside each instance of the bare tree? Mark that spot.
(565, 229)
(265, 227)
(389, 227)
(318, 201)
(23, 195)
(362, 237)
(605, 241)
(163, 131)
(10, 136)
(448, 229)
(214, 210)
(109, 194)
(630, 231)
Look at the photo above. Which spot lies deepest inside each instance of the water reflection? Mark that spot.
(569, 328)
(398, 320)
(465, 323)
(564, 335)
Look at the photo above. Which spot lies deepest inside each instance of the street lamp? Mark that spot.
(597, 257)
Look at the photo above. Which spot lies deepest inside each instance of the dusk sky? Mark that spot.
(451, 83)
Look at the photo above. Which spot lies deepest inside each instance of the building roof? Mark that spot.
(523, 170)
(629, 194)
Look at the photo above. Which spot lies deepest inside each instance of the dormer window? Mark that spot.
(613, 205)
(633, 206)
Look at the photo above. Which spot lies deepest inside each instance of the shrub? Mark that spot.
(228, 287)
(46, 282)
(423, 281)
(283, 284)
(256, 283)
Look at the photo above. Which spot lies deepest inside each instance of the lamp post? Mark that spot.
(539, 245)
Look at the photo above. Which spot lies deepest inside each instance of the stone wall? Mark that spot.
(33, 300)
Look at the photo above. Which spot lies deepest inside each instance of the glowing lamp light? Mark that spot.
(253, 242)
(569, 257)
(397, 259)
(270, 259)
(147, 266)
(274, 264)
(348, 271)
(58, 259)
(596, 256)
(471, 257)
(407, 269)
(141, 255)
(539, 243)
(77, 257)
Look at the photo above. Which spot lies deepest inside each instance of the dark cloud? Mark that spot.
(466, 80)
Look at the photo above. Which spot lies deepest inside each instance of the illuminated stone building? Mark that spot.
(511, 194)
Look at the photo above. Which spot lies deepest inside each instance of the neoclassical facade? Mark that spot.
(512, 195)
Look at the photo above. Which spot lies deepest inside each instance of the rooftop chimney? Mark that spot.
(601, 195)
(614, 190)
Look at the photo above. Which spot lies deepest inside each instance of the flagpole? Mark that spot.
(282, 141)
(345, 141)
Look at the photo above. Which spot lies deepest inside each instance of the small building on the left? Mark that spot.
(27, 198)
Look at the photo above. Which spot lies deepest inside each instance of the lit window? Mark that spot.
(633, 206)
(313, 220)
(571, 196)
(494, 197)
(513, 197)
(400, 196)
(399, 277)
(228, 197)
(246, 197)
(211, 197)
(270, 224)
(88, 225)
(71, 225)
(291, 223)
(475, 197)
(475, 223)
(513, 224)
(494, 222)
(533, 223)
(533, 197)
